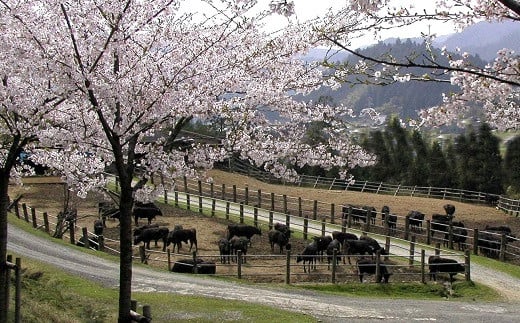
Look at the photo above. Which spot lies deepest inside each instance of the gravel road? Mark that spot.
(325, 308)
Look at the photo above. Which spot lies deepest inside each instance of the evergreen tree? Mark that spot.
(441, 173)
(399, 149)
(512, 166)
(489, 172)
(420, 168)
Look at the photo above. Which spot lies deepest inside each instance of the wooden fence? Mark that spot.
(16, 268)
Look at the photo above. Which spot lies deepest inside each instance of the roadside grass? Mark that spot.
(458, 290)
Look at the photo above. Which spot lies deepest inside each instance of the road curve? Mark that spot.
(326, 308)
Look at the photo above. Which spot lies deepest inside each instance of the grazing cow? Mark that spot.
(440, 223)
(279, 238)
(224, 248)
(416, 219)
(155, 234)
(502, 229)
(283, 228)
(374, 244)
(449, 209)
(145, 210)
(308, 256)
(459, 235)
(191, 266)
(369, 266)
(489, 243)
(322, 242)
(243, 230)
(357, 247)
(177, 236)
(334, 245)
(239, 244)
(389, 218)
(492, 199)
(342, 236)
(438, 264)
(98, 227)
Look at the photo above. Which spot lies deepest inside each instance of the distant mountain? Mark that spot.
(484, 39)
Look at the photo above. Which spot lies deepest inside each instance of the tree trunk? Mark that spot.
(125, 262)
(4, 202)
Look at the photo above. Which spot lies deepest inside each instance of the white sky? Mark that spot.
(308, 9)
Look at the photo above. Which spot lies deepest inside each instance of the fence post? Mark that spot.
(300, 210)
(147, 312)
(17, 210)
(423, 266)
(412, 251)
(467, 266)
(224, 191)
(288, 220)
(46, 222)
(176, 198)
(25, 213)
(194, 257)
(285, 204)
(255, 216)
(259, 199)
(185, 181)
(9, 259)
(71, 229)
(18, 291)
(33, 217)
(387, 247)
(428, 232)
(86, 242)
(166, 196)
(101, 243)
(332, 213)
(213, 206)
(199, 183)
(239, 264)
(168, 252)
(323, 223)
(503, 246)
(450, 234)
(475, 242)
(378, 266)
(234, 193)
(241, 212)
(437, 248)
(246, 195)
(188, 204)
(272, 201)
(227, 210)
(142, 255)
(349, 216)
(271, 216)
(288, 267)
(334, 264)
(406, 227)
(315, 210)
(305, 227)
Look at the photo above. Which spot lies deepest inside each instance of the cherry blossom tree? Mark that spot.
(493, 88)
(129, 75)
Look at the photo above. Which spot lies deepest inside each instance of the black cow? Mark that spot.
(308, 256)
(440, 222)
(224, 248)
(438, 264)
(279, 238)
(501, 229)
(357, 247)
(322, 242)
(369, 266)
(416, 219)
(154, 234)
(334, 245)
(239, 244)
(342, 236)
(191, 266)
(459, 234)
(449, 209)
(389, 218)
(374, 244)
(145, 210)
(243, 230)
(177, 236)
(489, 243)
(283, 228)
(138, 230)
(98, 227)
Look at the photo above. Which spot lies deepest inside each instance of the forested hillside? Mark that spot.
(402, 98)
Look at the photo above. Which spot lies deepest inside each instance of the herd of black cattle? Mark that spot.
(339, 245)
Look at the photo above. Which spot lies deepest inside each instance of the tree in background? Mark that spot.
(441, 173)
(420, 169)
(512, 166)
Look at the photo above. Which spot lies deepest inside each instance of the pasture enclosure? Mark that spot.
(261, 264)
